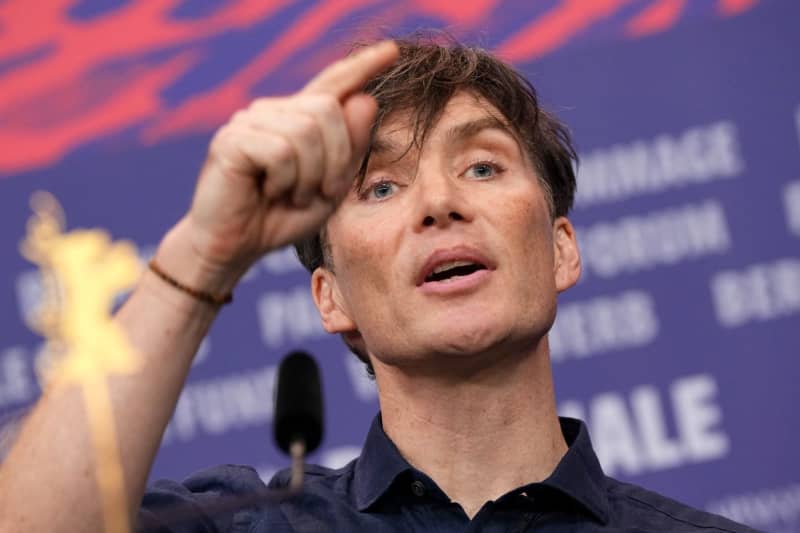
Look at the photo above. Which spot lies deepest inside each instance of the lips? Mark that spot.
(442, 266)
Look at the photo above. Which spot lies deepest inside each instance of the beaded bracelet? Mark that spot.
(203, 296)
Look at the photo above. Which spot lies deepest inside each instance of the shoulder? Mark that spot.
(633, 505)
(317, 478)
(223, 480)
(225, 498)
(234, 498)
(326, 501)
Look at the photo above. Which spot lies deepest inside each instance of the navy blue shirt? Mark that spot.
(380, 492)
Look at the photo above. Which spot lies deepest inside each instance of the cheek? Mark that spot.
(526, 222)
(363, 264)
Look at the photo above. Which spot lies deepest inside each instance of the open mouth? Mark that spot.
(453, 270)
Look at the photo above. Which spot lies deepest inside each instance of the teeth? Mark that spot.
(449, 265)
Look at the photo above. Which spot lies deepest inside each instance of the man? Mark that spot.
(438, 257)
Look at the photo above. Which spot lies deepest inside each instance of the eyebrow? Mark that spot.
(462, 132)
(382, 145)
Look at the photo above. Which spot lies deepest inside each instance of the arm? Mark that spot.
(274, 174)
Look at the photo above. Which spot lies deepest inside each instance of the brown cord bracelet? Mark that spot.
(207, 297)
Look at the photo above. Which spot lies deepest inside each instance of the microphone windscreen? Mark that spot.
(298, 402)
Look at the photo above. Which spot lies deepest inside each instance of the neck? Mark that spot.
(477, 436)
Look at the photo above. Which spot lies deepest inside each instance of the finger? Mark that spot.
(290, 224)
(359, 115)
(271, 153)
(336, 141)
(348, 75)
(302, 130)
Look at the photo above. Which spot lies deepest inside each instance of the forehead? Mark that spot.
(464, 115)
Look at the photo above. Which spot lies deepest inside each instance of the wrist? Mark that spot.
(214, 300)
(179, 257)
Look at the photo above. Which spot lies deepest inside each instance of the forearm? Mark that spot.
(47, 481)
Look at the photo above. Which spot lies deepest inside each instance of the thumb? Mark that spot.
(359, 114)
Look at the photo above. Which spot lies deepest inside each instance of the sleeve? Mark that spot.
(223, 499)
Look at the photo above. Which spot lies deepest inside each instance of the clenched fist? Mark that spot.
(279, 168)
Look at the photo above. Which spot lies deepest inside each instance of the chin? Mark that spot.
(469, 339)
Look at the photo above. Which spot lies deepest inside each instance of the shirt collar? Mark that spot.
(578, 475)
(378, 466)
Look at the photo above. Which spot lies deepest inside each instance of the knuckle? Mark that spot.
(265, 103)
(222, 141)
(304, 123)
(326, 104)
(343, 157)
(282, 151)
(255, 105)
(306, 128)
(239, 117)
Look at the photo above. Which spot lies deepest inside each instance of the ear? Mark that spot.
(324, 289)
(567, 266)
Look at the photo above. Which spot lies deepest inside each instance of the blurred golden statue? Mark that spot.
(83, 272)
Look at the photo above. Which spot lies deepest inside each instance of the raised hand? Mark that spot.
(279, 168)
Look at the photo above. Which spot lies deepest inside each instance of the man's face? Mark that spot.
(447, 251)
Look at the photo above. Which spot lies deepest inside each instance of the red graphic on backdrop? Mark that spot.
(67, 81)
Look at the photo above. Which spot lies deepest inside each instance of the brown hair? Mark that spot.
(425, 77)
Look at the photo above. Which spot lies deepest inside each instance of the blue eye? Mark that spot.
(382, 189)
(481, 170)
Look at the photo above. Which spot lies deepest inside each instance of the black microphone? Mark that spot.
(298, 430)
(298, 415)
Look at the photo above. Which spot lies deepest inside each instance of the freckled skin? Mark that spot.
(379, 246)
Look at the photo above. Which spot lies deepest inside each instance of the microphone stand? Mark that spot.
(297, 451)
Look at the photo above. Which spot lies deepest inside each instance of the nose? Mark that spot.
(430, 220)
(440, 202)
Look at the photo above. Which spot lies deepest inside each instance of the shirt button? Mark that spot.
(418, 488)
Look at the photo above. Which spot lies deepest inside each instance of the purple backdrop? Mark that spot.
(679, 345)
